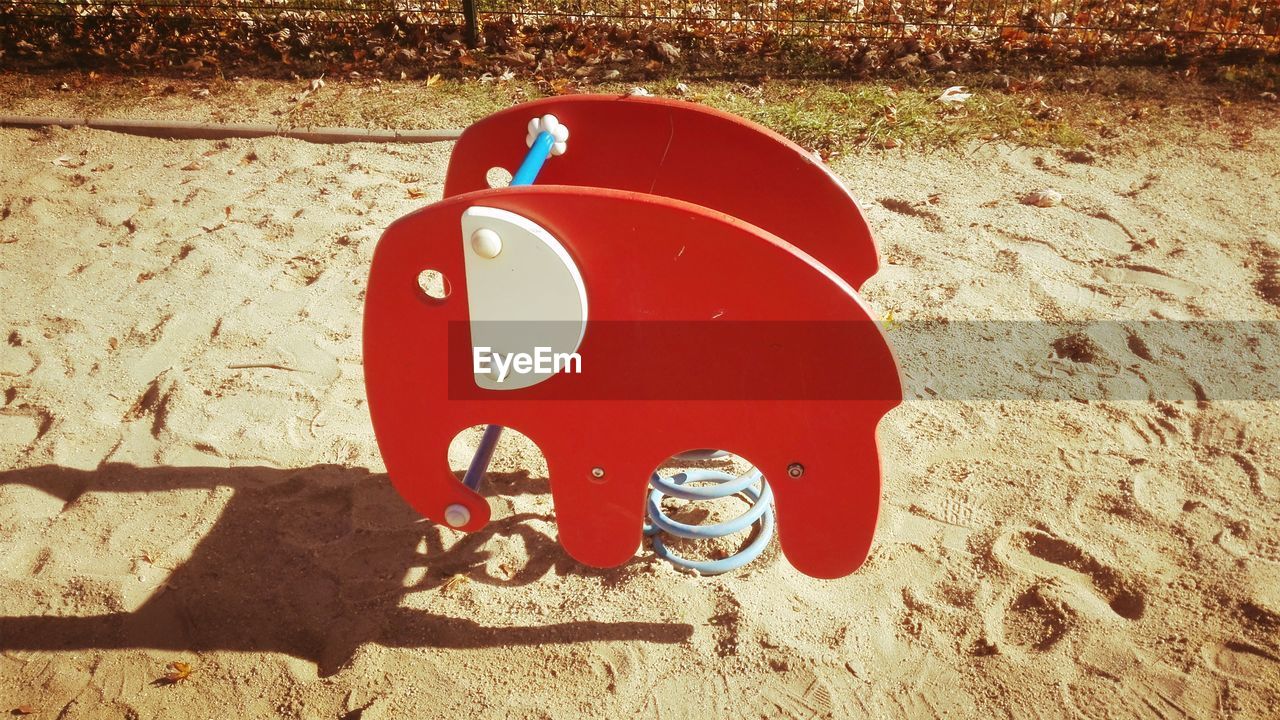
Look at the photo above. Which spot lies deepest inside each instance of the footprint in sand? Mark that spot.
(1148, 276)
(727, 621)
(1221, 431)
(1035, 620)
(1243, 661)
(16, 361)
(1098, 587)
(621, 670)
(22, 425)
(1155, 693)
(18, 430)
(1162, 494)
(795, 693)
(931, 693)
(1260, 601)
(60, 682)
(1146, 433)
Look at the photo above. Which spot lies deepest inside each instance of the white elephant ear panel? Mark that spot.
(525, 294)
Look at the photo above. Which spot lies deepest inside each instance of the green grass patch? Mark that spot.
(834, 118)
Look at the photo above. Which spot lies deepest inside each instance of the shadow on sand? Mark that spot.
(309, 562)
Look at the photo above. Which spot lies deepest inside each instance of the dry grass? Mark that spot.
(1070, 109)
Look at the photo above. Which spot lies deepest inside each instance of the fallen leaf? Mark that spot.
(1083, 157)
(177, 671)
(639, 92)
(433, 80)
(668, 52)
(953, 95)
(454, 581)
(1043, 198)
(317, 84)
(193, 165)
(415, 193)
(24, 709)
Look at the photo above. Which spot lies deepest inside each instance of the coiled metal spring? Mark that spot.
(711, 485)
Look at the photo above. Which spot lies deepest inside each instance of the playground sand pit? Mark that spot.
(188, 474)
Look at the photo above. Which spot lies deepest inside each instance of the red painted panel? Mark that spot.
(685, 151)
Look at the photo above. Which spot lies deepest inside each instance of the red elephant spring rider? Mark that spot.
(693, 277)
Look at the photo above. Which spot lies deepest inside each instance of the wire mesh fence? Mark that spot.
(817, 35)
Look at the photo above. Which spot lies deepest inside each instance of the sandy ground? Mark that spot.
(1035, 558)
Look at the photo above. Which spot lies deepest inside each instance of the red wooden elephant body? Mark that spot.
(704, 327)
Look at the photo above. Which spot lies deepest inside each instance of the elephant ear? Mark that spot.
(703, 331)
(684, 151)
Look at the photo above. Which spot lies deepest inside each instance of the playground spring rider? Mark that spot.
(704, 270)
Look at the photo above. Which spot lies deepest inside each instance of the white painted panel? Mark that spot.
(527, 295)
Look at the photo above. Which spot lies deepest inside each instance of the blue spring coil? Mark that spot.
(719, 485)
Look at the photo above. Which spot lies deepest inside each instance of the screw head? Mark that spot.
(486, 243)
(597, 473)
(795, 470)
(457, 515)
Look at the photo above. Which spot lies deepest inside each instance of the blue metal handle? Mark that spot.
(538, 153)
(484, 454)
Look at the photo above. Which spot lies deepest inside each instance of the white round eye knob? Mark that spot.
(457, 515)
(486, 243)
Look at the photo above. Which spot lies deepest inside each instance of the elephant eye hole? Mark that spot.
(433, 284)
(498, 177)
